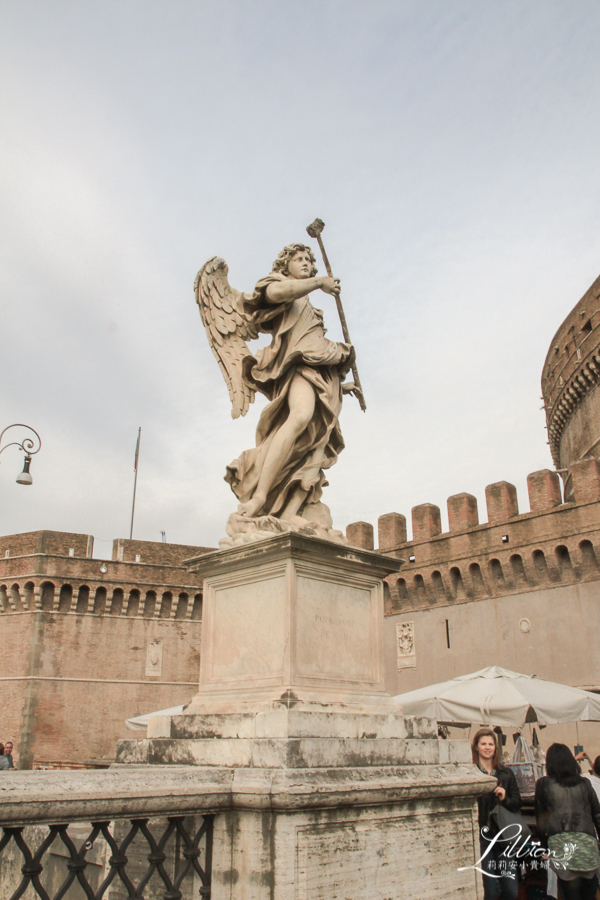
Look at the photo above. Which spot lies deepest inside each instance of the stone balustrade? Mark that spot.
(142, 834)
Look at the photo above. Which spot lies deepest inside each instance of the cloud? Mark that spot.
(451, 150)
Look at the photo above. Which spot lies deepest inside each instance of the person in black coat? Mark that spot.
(567, 813)
(486, 756)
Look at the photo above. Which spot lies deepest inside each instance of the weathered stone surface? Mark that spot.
(390, 851)
(292, 753)
(292, 620)
(333, 791)
(284, 722)
(288, 834)
(570, 386)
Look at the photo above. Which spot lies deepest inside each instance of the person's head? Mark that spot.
(1, 749)
(596, 766)
(484, 747)
(302, 260)
(8, 747)
(561, 765)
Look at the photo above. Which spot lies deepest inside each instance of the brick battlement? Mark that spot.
(555, 543)
(155, 553)
(55, 572)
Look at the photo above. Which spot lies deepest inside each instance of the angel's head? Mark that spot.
(304, 261)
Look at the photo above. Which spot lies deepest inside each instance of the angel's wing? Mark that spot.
(228, 328)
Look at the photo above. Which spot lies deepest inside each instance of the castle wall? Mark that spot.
(582, 437)
(155, 553)
(570, 377)
(521, 591)
(553, 633)
(52, 542)
(87, 675)
(90, 643)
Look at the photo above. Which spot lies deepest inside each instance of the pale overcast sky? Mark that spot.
(452, 150)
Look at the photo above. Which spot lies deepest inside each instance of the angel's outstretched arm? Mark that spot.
(292, 288)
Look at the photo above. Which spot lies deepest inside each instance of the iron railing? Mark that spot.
(179, 843)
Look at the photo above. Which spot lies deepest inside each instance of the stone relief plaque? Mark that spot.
(405, 643)
(154, 658)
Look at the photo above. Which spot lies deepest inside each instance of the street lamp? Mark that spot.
(26, 445)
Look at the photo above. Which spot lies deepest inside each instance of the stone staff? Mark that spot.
(314, 231)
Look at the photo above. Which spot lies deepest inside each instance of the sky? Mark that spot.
(450, 146)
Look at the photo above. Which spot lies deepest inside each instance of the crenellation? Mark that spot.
(37, 581)
(426, 521)
(586, 480)
(462, 512)
(544, 491)
(501, 501)
(555, 544)
(360, 534)
(391, 531)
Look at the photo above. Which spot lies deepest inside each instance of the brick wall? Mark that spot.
(72, 680)
(155, 553)
(557, 543)
(75, 633)
(51, 542)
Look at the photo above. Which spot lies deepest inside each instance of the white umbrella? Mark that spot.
(140, 723)
(501, 697)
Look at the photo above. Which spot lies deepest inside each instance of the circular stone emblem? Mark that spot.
(524, 625)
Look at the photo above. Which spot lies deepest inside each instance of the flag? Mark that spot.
(137, 451)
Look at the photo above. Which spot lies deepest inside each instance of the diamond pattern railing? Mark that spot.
(176, 843)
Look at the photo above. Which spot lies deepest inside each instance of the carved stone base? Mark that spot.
(316, 522)
(292, 620)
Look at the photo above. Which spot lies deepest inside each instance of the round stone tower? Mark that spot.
(570, 387)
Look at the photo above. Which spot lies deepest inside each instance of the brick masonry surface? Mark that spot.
(88, 643)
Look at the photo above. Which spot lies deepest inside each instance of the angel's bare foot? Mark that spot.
(252, 507)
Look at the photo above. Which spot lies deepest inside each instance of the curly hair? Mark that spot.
(290, 250)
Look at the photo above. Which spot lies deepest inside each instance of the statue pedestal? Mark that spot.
(292, 621)
(333, 793)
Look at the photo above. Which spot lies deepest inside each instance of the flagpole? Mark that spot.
(135, 466)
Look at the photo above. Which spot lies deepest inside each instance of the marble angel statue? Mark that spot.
(279, 482)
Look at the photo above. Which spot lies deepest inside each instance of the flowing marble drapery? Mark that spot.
(299, 346)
